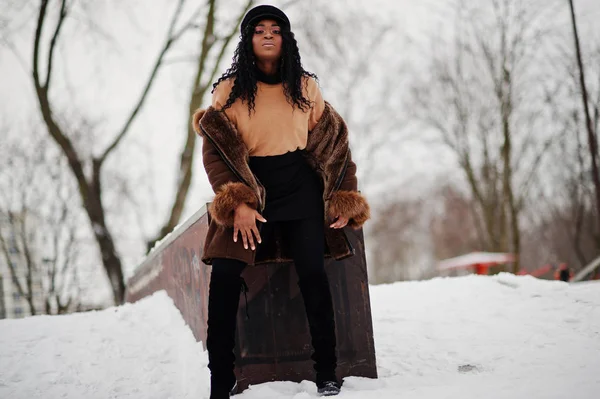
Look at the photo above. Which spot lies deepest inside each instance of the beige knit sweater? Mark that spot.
(276, 127)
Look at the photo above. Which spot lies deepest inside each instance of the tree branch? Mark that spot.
(36, 45)
(526, 186)
(61, 19)
(226, 42)
(172, 37)
(208, 39)
(46, 109)
(592, 143)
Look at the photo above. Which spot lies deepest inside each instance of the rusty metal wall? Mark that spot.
(274, 342)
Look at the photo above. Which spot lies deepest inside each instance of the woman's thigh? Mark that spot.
(306, 240)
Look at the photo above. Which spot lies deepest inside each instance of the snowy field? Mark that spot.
(470, 337)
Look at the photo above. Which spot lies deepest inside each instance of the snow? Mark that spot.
(468, 337)
(141, 350)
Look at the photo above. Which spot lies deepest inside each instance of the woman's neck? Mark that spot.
(268, 67)
(270, 75)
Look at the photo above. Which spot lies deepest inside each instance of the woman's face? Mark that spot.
(267, 40)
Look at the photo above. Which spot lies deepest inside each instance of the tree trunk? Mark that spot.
(90, 192)
(487, 209)
(505, 96)
(509, 198)
(110, 260)
(91, 199)
(593, 146)
(510, 201)
(29, 261)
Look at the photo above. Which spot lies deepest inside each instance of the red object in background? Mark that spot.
(546, 270)
(478, 262)
(541, 271)
(482, 269)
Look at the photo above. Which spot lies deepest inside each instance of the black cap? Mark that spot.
(259, 13)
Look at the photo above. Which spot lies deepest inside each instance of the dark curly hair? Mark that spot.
(243, 72)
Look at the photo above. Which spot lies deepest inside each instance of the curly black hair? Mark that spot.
(243, 71)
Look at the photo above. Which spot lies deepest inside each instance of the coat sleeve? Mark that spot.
(346, 201)
(350, 182)
(216, 169)
(229, 191)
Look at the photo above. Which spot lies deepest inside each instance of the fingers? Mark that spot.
(248, 234)
(256, 234)
(259, 217)
(250, 238)
(245, 238)
(339, 223)
(334, 225)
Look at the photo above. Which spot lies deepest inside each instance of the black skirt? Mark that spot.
(293, 189)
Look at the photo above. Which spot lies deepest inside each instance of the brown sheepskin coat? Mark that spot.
(225, 159)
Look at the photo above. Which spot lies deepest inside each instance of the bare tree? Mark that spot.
(39, 234)
(591, 134)
(486, 101)
(90, 184)
(562, 216)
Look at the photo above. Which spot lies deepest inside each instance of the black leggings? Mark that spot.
(306, 241)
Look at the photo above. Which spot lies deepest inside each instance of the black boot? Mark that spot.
(223, 303)
(319, 311)
(328, 388)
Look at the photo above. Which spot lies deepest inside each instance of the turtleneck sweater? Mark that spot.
(274, 127)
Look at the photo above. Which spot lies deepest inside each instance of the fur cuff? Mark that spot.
(229, 197)
(350, 204)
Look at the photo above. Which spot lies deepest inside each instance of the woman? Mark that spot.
(277, 157)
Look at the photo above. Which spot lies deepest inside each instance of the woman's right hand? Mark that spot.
(245, 223)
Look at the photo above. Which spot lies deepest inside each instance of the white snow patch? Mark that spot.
(141, 350)
(468, 337)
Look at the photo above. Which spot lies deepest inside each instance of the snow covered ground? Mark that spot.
(469, 337)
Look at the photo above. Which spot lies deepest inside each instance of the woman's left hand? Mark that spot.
(339, 223)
